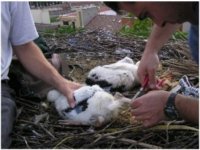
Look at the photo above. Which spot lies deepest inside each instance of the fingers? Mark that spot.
(147, 67)
(146, 119)
(150, 122)
(70, 98)
(136, 109)
(152, 78)
(71, 102)
(141, 76)
(71, 87)
(151, 74)
(140, 114)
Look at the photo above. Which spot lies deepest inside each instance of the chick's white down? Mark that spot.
(59, 100)
(101, 106)
(122, 74)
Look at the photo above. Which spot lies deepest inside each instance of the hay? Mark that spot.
(37, 124)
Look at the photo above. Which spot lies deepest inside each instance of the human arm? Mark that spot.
(34, 61)
(150, 61)
(149, 108)
(188, 108)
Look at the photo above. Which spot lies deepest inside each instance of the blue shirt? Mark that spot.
(194, 34)
(194, 42)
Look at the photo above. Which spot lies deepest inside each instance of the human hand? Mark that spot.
(149, 108)
(147, 67)
(67, 89)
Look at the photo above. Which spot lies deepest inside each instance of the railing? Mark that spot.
(43, 4)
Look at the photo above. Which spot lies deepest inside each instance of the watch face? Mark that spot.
(171, 113)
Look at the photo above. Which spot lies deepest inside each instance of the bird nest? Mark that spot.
(37, 121)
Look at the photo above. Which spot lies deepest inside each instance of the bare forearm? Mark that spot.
(150, 60)
(34, 61)
(188, 108)
(159, 36)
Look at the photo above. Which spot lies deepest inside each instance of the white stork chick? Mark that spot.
(94, 106)
(119, 76)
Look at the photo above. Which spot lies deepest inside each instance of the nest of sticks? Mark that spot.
(37, 124)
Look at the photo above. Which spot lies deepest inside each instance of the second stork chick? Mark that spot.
(120, 76)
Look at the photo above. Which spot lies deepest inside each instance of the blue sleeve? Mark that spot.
(194, 42)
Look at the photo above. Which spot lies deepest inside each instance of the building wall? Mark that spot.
(83, 17)
(41, 15)
(107, 22)
(87, 14)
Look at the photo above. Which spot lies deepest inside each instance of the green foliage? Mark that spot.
(54, 19)
(66, 29)
(180, 35)
(130, 15)
(140, 28)
(63, 30)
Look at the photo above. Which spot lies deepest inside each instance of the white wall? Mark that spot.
(108, 12)
(87, 14)
(84, 15)
(41, 15)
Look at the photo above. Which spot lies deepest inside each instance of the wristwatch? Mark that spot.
(170, 108)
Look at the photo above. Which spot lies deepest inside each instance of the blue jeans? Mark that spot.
(8, 114)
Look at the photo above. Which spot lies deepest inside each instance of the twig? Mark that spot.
(62, 141)
(174, 127)
(100, 136)
(49, 133)
(24, 138)
(130, 141)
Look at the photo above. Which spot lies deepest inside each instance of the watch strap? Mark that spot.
(171, 100)
(170, 108)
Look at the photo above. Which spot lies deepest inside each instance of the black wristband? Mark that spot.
(171, 100)
(170, 108)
